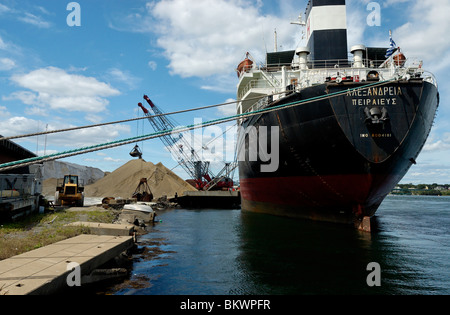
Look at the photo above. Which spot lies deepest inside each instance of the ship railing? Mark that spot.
(333, 63)
(276, 68)
(261, 104)
(268, 73)
(270, 77)
(342, 63)
(429, 77)
(255, 84)
(308, 77)
(316, 64)
(317, 73)
(414, 68)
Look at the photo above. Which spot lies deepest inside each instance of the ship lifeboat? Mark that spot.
(244, 66)
(400, 60)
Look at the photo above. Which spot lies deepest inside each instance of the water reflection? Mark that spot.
(284, 256)
(219, 252)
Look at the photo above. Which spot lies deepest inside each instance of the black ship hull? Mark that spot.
(338, 157)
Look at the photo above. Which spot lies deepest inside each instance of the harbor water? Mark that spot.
(228, 252)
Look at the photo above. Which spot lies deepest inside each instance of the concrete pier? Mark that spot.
(106, 229)
(45, 271)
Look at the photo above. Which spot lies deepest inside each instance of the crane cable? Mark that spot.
(126, 120)
(118, 143)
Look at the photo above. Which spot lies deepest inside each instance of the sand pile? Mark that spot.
(54, 170)
(123, 182)
(49, 187)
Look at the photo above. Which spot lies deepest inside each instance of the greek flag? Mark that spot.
(392, 48)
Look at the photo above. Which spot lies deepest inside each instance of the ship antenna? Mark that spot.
(299, 21)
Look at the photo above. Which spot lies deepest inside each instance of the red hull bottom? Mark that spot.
(338, 198)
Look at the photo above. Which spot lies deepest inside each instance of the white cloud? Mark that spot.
(438, 145)
(356, 23)
(95, 119)
(153, 65)
(228, 110)
(3, 45)
(425, 34)
(56, 89)
(208, 37)
(90, 160)
(222, 83)
(17, 126)
(137, 22)
(7, 64)
(4, 111)
(43, 10)
(27, 17)
(388, 3)
(4, 8)
(124, 77)
(27, 98)
(11, 55)
(34, 20)
(88, 137)
(428, 171)
(110, 159)
(74, 139)
(44, 151)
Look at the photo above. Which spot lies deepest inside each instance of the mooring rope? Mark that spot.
(118, 143)
(127, 120)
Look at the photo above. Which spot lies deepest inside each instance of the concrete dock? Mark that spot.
(45, 271)
(106, 229)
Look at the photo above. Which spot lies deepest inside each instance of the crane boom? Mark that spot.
(179, 146)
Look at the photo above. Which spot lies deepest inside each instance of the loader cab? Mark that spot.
(71, 179)
(71, 185)
(70, 191)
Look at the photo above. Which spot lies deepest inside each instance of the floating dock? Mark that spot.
(209, 199)
(45, 271)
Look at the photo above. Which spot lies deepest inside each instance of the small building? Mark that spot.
(10, 152)
(20, 188)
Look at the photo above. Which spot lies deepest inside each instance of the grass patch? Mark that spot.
(40, 230)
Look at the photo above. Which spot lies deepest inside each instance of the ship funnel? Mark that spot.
(302, 53)
(358, 52)
(327, 30)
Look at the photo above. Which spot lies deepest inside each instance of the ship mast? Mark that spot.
(276, 41)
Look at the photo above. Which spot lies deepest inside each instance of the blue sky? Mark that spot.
(182, 53)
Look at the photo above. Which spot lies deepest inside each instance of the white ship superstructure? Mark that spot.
(279, 79)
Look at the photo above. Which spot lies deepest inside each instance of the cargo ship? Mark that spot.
(341, 129)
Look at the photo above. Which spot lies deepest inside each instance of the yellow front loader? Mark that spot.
(69, 192)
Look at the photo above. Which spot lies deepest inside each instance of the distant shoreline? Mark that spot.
(422, 190)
